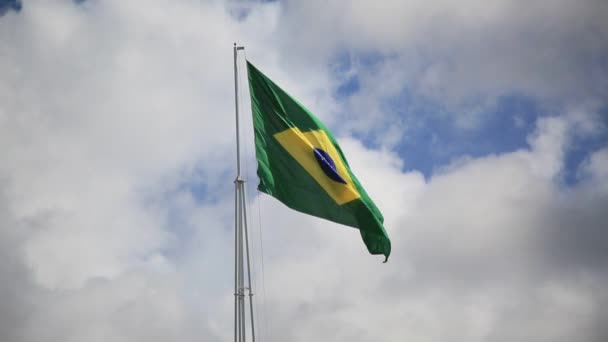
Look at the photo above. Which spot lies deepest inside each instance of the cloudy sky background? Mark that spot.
(479, 128)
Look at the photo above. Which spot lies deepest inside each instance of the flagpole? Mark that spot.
(241, 238)
(236, 106)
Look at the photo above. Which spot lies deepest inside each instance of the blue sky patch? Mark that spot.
(348, 87)
(432, 136)
(581, 149)
(438, 140)
(10, 5)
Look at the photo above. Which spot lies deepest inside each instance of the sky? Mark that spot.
(480, 129)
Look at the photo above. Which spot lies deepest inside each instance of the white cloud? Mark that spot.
(104, 109)
(477, 255)
(459, 54)
(596, 168)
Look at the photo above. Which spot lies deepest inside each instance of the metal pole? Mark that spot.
(237, 214)
(241, 266)
(240, 229)
(236, 106)
(236, 257)
(244, 206)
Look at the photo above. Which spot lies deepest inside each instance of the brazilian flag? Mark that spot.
(300, 164)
